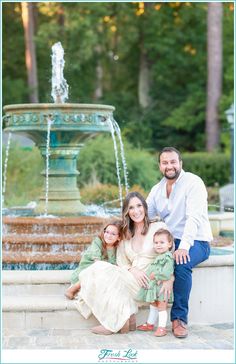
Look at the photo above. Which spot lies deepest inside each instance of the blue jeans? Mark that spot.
(183, 279)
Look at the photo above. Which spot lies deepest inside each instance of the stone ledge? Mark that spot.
(37, 239)
(36, 276)
(221, 216)
(53, 220)
(41, 304)
(41, 257)
(218, 261)
(37, 304)
(63, 276)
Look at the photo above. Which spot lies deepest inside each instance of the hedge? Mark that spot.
(213, 168)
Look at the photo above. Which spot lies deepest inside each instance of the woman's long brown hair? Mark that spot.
(129, 226)
(118, 224)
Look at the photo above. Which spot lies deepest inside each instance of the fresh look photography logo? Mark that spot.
(123, 356)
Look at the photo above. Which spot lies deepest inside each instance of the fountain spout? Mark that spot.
(59, 85)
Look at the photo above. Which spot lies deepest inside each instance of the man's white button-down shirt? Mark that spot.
(185, 211)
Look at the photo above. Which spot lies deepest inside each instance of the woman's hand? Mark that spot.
(152, 276)
(167, 288)
(140, 276)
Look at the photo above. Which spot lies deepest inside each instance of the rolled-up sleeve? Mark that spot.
(196, 208)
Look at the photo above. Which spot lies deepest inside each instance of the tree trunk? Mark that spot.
(214, 65)
(98, 92)
(144, 81)
(30, 53)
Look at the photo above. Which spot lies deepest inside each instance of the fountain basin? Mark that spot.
(221, 221)
(70, 126)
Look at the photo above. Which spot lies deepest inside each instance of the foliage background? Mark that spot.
(172, 35)
(113, 35)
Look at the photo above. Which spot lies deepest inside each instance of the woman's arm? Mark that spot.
(124, 262)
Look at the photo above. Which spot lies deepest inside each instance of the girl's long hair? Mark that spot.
(118, 224)
(128, 224)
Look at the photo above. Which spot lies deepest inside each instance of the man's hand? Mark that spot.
(181, 256)
(167, 288)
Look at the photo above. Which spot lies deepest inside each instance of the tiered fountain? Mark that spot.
(59, 130)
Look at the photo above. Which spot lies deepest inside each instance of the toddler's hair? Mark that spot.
(167, 233)
(119, 225)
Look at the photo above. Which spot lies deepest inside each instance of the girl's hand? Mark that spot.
(140, 276)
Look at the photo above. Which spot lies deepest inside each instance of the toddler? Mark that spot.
(161, 269)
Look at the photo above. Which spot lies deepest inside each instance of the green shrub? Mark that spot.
(98, 194)
(96, 164)
(213, 168)
(24, 181)
(213, 198)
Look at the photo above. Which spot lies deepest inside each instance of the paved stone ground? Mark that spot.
(208, 337)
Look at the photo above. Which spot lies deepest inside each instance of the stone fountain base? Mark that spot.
(47, 240)
(35, 299)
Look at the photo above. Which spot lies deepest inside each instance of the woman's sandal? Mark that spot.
(161, 331)
(132, 323)
(125, 328)
(101, 330)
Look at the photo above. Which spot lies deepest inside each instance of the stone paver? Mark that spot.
(202, 337)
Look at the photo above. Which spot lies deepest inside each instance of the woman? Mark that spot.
(109, 291)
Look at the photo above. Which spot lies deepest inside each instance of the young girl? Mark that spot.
(161, 269)
(103, 248)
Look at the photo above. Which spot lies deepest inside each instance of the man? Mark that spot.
(180, 199)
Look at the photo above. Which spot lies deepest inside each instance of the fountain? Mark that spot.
(59, 130)
(68, 126)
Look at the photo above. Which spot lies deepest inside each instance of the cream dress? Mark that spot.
(108, 291)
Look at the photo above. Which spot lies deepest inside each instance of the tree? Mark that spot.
(214, 80)
(105, 62)
(144, 80)
(30, 52)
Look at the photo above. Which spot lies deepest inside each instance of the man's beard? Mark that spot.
(173, 176)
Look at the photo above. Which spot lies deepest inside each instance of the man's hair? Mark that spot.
(168, 150)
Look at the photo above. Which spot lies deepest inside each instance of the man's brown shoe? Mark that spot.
(179, 329)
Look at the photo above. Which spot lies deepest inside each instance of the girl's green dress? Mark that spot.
(92, 253)
(163, 268)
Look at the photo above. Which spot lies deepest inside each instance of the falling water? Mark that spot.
(118, 132)
(49, 123)
(59, 94)
(59, 85)
(5, 168)
(112, 129)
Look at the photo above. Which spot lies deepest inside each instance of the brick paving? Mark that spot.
(201, 337)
